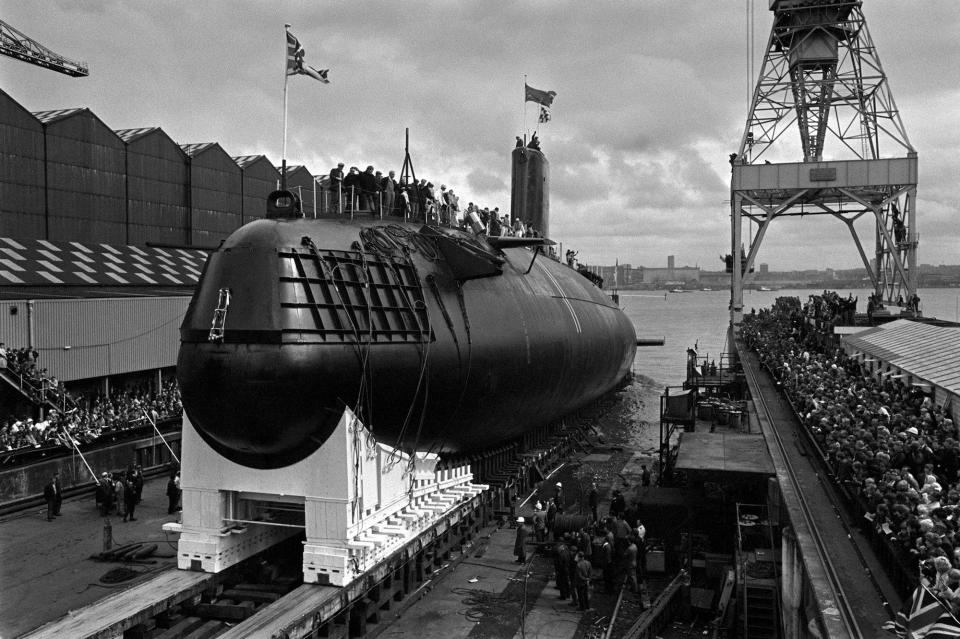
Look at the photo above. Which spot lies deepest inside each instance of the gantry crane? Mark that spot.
(821, 72)
(17, 45)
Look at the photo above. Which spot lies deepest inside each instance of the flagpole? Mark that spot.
(524, 107)
(286, 77)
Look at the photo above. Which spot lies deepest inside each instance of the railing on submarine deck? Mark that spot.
(354, 202)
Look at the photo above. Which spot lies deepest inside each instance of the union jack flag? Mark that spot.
(924, 616)
(295, 65)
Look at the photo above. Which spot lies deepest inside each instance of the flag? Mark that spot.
(921, 614)
(544, 115)
(544, 98)
(295, 65)
(947, 627)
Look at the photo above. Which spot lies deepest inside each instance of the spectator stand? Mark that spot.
(889, 449)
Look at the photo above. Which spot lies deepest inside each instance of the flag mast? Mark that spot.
(524, 109)
(286, 78)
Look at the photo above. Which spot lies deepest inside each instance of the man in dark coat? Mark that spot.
(594, 501)
(58, 501)
(173, 494)
(350, 186)
(367, 182)
(519, 547)
(561, 565)
(50, 496)
(336, 186)
(581, 580)
(136, 479)
(129, 498)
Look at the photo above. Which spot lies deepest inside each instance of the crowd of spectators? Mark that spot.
(893, 450)
(83, 419)
(372, 191)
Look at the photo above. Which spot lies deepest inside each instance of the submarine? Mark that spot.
(440, 339)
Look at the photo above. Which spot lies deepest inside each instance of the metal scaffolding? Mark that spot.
(821, 72)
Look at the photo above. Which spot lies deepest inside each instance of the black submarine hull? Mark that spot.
(438, 339)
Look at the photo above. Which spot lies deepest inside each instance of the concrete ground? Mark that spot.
(45, 569)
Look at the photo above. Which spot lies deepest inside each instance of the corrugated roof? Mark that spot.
(58, 114)
(246, 160)
(129, 135)
(25, 262)
(197, 148)
(929, 352)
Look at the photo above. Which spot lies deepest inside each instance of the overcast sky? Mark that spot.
(651, 99)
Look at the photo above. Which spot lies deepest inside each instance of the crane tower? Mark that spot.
(821, 73)
(17, 45)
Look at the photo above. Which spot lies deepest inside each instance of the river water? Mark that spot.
(699, 319)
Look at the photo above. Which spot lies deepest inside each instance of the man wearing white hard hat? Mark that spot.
(519, 547)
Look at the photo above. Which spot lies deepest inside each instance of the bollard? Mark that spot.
(107, 535)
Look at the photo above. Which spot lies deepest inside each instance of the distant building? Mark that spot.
(764, 269)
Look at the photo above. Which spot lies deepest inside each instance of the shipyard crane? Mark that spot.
(18, 45)
(822, 76)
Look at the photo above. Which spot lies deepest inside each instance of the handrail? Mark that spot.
(846, 616)
(644, 624)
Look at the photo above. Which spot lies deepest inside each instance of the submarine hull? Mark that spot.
(438, 339)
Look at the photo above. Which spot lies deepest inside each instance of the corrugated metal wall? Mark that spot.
(260, 178)
(86, 197)
(157, 206)
(22, 205)
(104, 336)
(15, 330)
(215, 183)
(100, 189)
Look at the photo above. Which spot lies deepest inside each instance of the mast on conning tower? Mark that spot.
(821, 72)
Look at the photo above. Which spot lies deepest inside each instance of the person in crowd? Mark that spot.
(539, 523)
(336, 186)
(120, 494)
(389, 189)
(519, 545)
(891, 447)
(607, 566)
(58, 499)
(136, 480)
(644, 476)
(368, 187)
(558, 497)
(581, 580)
(104, 494)
(561, 566)
(50, 496)
(630, 565)
(351, 186)
(173, 493)
(593, 498)
(551, 517)
(129, 497)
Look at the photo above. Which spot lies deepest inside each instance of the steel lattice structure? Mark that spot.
(17, 45)
(821, 76)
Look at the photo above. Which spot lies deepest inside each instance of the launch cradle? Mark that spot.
(356, 499)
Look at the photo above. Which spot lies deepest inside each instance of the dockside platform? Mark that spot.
(842, 568)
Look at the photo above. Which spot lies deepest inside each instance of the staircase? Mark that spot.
(760, 612)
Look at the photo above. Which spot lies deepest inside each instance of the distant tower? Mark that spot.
(821, 71)
(530, 192)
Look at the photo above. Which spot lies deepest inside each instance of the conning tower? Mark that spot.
(530, 192)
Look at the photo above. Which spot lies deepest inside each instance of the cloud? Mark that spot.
(651, 98)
